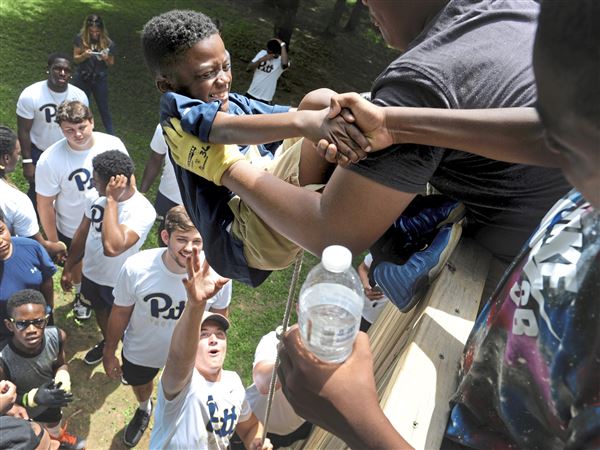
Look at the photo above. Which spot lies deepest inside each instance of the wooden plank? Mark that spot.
(416, 355)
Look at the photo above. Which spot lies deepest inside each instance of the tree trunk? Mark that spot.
(285, 18)
(355, 16)
(336, 15)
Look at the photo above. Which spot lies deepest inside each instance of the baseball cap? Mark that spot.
(221, 319)
(17, 434)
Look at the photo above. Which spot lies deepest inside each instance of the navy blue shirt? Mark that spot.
(27, 268)
(205, 202)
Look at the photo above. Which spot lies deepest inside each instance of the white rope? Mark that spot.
(280, 331)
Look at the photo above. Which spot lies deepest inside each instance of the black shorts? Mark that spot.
(63, 238)
(162, 205)
(101, 297)
(135, 375)
(50, 415)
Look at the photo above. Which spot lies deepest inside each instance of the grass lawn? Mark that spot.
(31, 29)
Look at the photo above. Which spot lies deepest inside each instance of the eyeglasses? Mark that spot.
(97, 21)
(24, 324)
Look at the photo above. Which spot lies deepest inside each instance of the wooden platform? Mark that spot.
(416, 355)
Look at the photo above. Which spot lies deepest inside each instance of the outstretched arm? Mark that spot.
(342, 399)
(200, 285)
(506, 134)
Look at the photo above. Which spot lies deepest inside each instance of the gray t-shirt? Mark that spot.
(31, 371)
(473, 54)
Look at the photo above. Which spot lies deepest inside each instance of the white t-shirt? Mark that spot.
(39, 102)
(67, 173)
(168, 183)
(282, 420)
(138, 214)
(264, 80)
(372, 309)
(203, 416)
(19, 215)
(159, 298)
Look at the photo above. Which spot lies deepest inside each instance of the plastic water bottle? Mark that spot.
(330, 306)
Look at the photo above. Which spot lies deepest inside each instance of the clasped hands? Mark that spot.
(344, 133)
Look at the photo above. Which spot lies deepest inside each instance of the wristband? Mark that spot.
(63, 377)
(27, 161)
(29, 398)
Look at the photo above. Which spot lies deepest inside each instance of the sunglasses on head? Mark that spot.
(24, 324)
(96, 21)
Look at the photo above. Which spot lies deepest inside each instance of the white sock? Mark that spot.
(146, 406)
(77, 287)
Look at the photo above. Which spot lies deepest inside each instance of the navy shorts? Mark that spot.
(135, 375)
(101, 297)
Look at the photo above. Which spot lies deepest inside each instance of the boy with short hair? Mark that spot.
(114, 227)
(35, 361)
(149, 299)
(196, 87)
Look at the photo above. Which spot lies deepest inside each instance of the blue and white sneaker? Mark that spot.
(427, 213)
(412, 252)
(405, 284)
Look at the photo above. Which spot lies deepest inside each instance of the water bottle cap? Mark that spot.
(336, 258)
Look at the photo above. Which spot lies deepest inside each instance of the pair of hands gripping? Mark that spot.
(360, 130)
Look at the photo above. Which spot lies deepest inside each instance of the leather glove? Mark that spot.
(207, 160)
(48, 394)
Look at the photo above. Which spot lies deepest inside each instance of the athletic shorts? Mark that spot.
(264, 248)
(135, 375)
(63, 238)
(100, 297)
(162, 205)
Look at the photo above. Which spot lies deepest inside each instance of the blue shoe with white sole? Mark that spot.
(405, 284)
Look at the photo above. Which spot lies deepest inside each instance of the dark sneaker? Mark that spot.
(136, 427)
(427, 213)
(415, 229)
(69, 441)
(406, 283)
(81, 307)
(94, 355)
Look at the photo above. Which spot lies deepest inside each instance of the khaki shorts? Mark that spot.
(264, 248)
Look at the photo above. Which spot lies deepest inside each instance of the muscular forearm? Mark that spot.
(47, 216)
(47, 290)
(510, 134)
(117, 322)
(260, 128)
(182, 351)
(113, 236)
(371, 430)
(77, 248)
(151, 171)
(23, 130)
(352, 211)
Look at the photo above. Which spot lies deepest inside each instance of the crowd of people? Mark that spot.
(488, 122)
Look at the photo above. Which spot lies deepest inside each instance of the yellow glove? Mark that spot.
(63, 377)
(209, 161)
